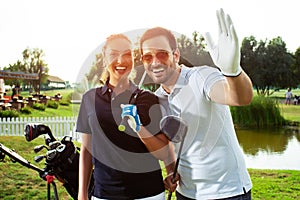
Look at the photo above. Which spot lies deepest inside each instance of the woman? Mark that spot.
(125, 162)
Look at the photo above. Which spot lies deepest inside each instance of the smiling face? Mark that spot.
(118, 59)
(160, 61)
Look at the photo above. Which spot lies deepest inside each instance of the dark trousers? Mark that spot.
(246, 196)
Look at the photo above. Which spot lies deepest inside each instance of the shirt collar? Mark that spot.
(107, 89)
(180, 83)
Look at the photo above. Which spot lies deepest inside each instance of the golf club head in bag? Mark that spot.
(34, 130)
(63, 160)
(174, 127)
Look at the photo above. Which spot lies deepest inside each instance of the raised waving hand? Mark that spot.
(226, 53)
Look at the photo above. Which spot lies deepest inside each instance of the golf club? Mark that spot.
(34, 130)
(175, 128)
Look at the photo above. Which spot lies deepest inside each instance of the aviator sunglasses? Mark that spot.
(161, 55)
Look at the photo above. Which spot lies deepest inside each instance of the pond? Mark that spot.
(271, 149)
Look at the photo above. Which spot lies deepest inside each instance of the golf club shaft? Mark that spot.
(176, 165)
(142, 79)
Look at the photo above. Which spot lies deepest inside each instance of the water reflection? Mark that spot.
(271, 148)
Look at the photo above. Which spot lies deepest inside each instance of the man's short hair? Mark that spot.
(158, 31)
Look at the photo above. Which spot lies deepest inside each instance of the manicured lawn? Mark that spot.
(18, 182)
(290, 112)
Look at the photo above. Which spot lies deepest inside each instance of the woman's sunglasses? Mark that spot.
(161, 55)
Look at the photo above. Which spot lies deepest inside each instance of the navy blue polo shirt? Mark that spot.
(123, 167)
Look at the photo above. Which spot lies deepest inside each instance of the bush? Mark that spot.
(52, 104)
(9, 113)
(39, 106)
(26, 110)
(64, 103)
(262, 112)
(74, 95)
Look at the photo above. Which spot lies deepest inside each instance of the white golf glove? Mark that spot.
(225, 54)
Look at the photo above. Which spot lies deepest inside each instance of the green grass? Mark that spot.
(63, 92)
(18, 182)
(290, 112)
(275, 184)
(281, 93)
(61, 111)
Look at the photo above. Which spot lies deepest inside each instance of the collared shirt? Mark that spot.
(211, 163)
(121, 160)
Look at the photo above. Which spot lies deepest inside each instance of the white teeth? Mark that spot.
(158, 70)
(120, 68)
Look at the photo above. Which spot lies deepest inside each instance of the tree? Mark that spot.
(281, 62)
(296, 64)
(268, 64)
(193, 51)
(16, 67)
(33, 60)
(94, 75)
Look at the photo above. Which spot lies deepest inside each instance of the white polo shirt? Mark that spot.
(211, 164)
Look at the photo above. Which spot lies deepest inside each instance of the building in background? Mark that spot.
(54, 82)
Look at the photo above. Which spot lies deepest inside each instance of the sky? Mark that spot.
(68, 31)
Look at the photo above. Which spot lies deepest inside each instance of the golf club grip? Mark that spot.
(122, 126)
(169, 195)
(173, 177)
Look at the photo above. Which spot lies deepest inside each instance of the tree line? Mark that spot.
(270, 65)
(33, 63)
(267, 62)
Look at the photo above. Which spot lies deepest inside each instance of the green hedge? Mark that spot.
(9, 113)
(262, 112)
(39, 106)
(52, 104)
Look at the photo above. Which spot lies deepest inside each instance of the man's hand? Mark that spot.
(129, 111)
(171, 183)
(225, 54)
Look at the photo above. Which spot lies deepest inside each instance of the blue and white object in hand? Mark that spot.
(129, 113)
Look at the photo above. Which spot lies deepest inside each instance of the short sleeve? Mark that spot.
(82, 124)
(209, 76)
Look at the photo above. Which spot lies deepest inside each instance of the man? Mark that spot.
(211, 164)
(288, 96)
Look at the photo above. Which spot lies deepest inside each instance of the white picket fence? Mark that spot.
(60, 126)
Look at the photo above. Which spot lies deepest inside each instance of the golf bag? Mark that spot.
(63, 162)
(61, 159)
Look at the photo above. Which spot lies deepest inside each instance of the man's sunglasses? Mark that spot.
(161, 55)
